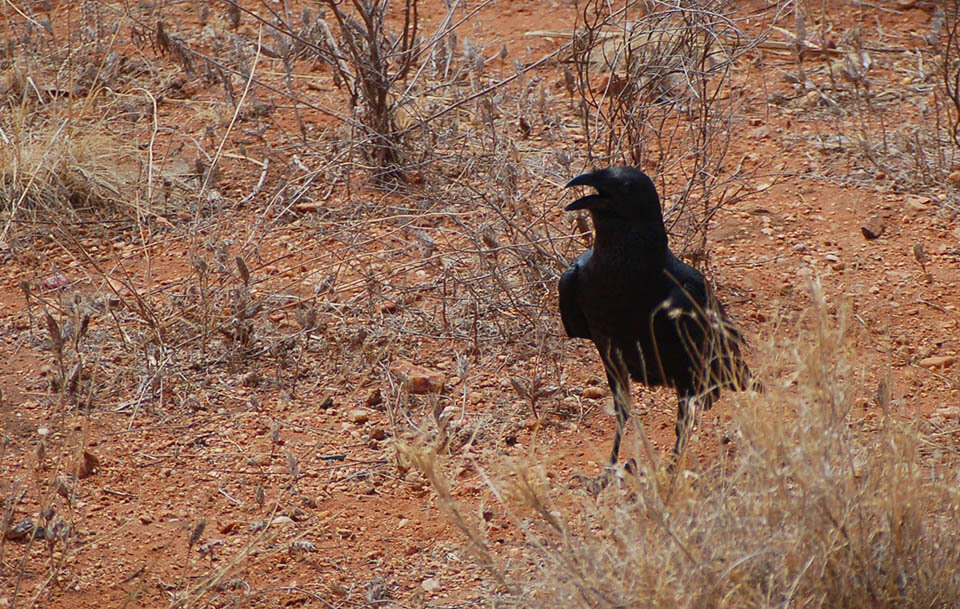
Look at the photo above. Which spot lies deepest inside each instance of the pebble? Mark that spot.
(431, 584)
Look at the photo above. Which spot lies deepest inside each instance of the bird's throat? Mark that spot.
(616, 236)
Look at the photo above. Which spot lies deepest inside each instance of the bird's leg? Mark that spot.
(686, 416)
(620, 387)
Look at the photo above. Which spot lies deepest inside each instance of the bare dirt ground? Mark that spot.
(231, 439)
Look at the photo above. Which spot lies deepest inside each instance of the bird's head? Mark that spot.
(622, 192)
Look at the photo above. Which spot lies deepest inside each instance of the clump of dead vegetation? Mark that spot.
(812, 504)
(889, 103)
(653, 85)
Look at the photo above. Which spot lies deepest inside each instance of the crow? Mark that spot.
(652, 317)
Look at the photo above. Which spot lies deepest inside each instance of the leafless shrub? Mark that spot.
(372, 62)
(166, 44)
(950, 62)
(654, 89)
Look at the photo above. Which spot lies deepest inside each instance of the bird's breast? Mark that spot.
(618, 302)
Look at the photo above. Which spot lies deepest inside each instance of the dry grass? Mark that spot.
(812, 505)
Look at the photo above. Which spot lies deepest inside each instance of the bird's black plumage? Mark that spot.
(652, 317)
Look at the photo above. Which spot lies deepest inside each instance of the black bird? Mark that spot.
(651, 316)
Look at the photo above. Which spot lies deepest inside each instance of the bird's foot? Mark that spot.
(594, 485)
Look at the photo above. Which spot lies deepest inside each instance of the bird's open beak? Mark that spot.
(586, 179)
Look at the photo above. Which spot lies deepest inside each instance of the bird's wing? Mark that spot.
(574, 322)
(706, 334)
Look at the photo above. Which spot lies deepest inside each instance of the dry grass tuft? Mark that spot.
(811, 506)
(56, 171)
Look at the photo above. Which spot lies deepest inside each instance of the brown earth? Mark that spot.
(222, 443)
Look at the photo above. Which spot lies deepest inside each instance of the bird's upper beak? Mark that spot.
(586, 179)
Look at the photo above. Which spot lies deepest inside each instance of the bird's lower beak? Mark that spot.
(583, 203)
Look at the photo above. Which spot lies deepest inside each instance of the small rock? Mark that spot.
(374, 398)
(431, 584)
(87, 465)
(309, 206)
(872, 228)
(593, 393)
(417, 379)
(359, 416)
(947, 412)
(917, 202)
(940, 361)
(22, 531)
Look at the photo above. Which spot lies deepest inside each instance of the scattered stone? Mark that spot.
(309, 206)
(431, 584)
(359, 416)
(593, 393)
(872, 228)
(88, 465)
(417, 379)
(22, 531)
(374, 398)
(918, 203)
(940, 361)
